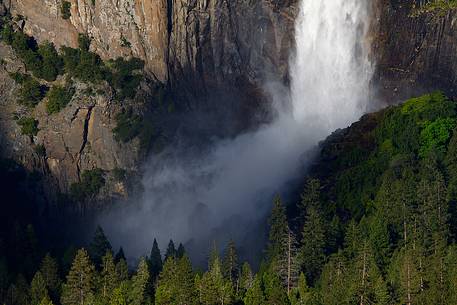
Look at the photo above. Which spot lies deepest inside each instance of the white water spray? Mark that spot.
(194, 198)
(331, 70)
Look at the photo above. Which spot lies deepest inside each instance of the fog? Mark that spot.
(195, 195)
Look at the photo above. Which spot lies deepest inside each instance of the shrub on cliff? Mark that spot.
(31, 92)
(58, 98)
(125, 76)
(51, 64)
(65, 10)
(83, 65)
(29, 126)
(91, 183)
(43, 61)
(129, 126)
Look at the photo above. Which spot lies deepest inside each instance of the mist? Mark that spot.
(224, 191)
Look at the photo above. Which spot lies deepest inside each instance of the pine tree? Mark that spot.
(167, 284)
(230, 265)
(38, 290)
(310, 197)
(254, 295)
(181, 251)
(99, 246)
(312, 251)
(120, 294)
(213, 288)
(301, 295)
(246, 277)
(171, 250)
(406, 275)
(185, 294)
(139, 293)
(365, 275)
(335, 280)
(46, 301)
(282, 250)
(155, 260)
(122, 270)
(109, 277)
(274, 291)
(79, 287)
(119, 255)
(176, 283)
(50, 271)
(279, 230)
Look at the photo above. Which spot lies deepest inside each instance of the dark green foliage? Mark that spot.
(171, 250)
(91, 182)
(31, 92)
(65, 9)
(128, 126)
(84, 42)
(58, 98)
(40, 150)
(50, 271)
(119, 255)
(80, 285)
(125, 76)
(176, 283)
(119, 174)
(139, 294)
(38, 290)
(82, 64)
(436, 135)
(29, 126)
(278, 229)
(43, 61)
(99, 246)
(18, 77)
(155, 260)
(51, 63)
(125, 43)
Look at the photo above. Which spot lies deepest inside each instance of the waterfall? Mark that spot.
(330, 70)
(226, 191)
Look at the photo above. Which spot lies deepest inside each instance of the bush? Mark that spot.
(58, 98)
(65, 9)
(119, 174)
(91, 183)
(18, 77)
(40, 150)
(7, 34)
(84, 65)
(31, 92)
(436, 135)
(43, 60)
(129, 126)
(29, 126)
(51, 62)
(125, 76)
(84, 42)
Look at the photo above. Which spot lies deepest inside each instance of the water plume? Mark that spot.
(195, 195)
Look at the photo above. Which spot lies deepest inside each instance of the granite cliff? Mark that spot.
(211, 56)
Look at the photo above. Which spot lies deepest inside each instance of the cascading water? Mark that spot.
(194, 197)
(331, 69)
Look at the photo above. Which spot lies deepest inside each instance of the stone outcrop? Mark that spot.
(414, 54)
(203, 41)
(76, 139)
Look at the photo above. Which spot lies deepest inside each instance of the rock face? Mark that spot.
(180, 40)
(415, 54)
(76, 139)
(210, 53)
